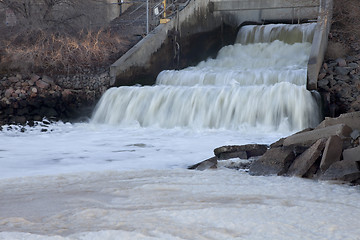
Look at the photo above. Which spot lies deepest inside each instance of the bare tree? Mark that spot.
(57, 14)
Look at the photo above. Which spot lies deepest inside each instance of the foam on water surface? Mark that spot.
(123, 176)
(176, 204)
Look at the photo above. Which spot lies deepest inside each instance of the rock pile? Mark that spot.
(331, 151)
(339, 83)
(24, 99)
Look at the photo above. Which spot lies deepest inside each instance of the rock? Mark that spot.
(48, 80)
(66, 93)
(352, 154)
(353, 65)
(342, 70)
(321, 76)
(355, 134)
(345, 170)
(20, 120)
(34, 90)
(323, 83)
(13, 79)
(42, 85)
(206, 164)
(350, 119)
(310, 137)
(9, 92)
(341, 62)
(303, 163)
(243, 151)
(332, 152)
(278, 143)
(275, 161)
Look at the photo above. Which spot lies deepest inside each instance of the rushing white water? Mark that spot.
(128, 179)
(255, 84)
(288, 33)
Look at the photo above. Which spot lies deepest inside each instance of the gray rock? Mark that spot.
(341, 62)
(9, 92)
(13, 79)
(353, 65)
(352, 154)
(42, 85)
(210, 163)
(303, 163)
(229, 155)
(310, 137)
(275, 161)
(355, 134)
(48, 80)
(345, 170)
(332, 152)
(342, 70)
(350, 119)
(323, 83)
(242, 151)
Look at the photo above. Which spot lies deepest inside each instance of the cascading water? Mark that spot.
(260, 80)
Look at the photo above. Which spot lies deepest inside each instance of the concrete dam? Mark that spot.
(231, 73)
(202, 27)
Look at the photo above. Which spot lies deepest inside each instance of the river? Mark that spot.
(122, 174)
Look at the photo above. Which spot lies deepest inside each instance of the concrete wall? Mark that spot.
(319, 44)
(238, 11)
(213, 19)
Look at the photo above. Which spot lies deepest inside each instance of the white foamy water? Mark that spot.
(263, 83)
(124, 176)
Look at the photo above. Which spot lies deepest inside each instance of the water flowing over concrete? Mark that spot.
(259, 82)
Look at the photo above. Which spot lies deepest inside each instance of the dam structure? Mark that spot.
(260, 81)
(203, 27)
(227, 74)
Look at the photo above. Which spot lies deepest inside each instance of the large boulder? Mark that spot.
(345, 170)
(332, 152)
(242, 152)
(275, 161)
(350, 119)
(306, 139)
(306, 160)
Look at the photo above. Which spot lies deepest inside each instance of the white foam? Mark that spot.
(176, 204)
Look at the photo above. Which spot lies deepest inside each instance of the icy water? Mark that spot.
(123, 175)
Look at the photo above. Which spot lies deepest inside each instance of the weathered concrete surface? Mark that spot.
(319, 44)
(304, 162)
(266, 11)
(308, 138)
(332, 152)
(275, 161)
(217, 20)
(352, 154)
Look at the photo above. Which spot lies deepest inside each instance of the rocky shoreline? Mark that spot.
(24, 99)
(329, 152)
(339, 85)
(31, 98)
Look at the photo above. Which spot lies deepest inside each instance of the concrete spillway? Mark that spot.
(204, 26)
(259, 81)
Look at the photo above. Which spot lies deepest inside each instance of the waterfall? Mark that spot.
(260, 80)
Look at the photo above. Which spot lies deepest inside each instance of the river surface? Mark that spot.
(123, 175)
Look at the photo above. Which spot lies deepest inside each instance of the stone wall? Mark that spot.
(27, 99)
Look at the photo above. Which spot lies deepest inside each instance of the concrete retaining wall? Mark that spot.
(320, 42)
(204, 26)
